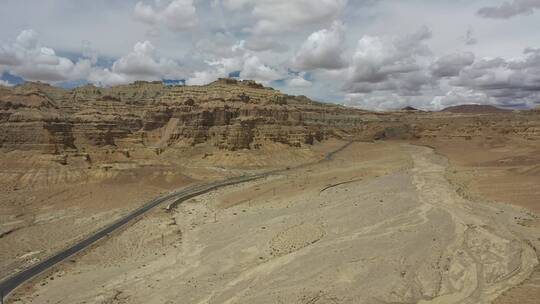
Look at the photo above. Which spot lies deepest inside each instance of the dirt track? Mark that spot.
(392, 229)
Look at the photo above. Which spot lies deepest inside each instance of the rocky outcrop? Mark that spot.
(227, 114)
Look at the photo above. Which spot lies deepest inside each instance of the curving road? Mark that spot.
(10, 284)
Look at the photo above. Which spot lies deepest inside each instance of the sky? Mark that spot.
(371, 54)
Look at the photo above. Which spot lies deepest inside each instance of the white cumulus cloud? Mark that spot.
(323, 49)
(243, 61)
(299, 82)
(277, 16)
(5, 83)
(255, 69)
(142, 63)
(176, 15)
(381, 64)
(28, 59)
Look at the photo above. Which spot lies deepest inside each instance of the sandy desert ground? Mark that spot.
(46, 206)
(385, 222)
(499, 169)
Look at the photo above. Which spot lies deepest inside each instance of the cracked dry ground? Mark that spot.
(378, 224)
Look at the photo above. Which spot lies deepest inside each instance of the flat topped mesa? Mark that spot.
(143, 82)
(232, 81)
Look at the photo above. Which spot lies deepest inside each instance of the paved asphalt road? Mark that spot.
(10, 284)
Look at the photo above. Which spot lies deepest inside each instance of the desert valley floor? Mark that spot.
(383, 222)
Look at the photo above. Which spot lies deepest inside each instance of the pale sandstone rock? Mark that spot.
(227, 113)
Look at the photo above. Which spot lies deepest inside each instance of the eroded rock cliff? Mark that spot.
(228, 114)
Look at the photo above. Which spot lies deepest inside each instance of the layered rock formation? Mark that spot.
(227, 114)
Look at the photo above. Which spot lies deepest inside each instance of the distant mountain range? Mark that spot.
(474, 108)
